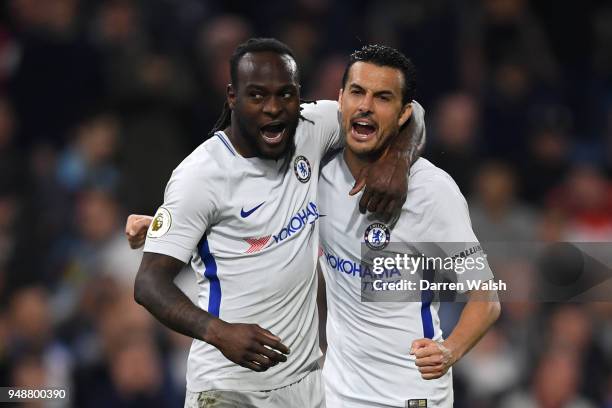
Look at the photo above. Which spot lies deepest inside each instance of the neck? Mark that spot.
(238, 140)
(356, 162)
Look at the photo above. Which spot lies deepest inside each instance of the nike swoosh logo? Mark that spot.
(245, 214)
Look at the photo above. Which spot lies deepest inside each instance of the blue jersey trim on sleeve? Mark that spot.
(426, 298)
(210, 273)
(225, 142)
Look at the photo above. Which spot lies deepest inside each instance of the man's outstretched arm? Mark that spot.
(244, 344)
(434, 359)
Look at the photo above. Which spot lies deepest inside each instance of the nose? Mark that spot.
(272, 106)
(365, 103)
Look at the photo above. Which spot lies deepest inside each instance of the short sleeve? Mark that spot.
(188, 210)
(450, 232)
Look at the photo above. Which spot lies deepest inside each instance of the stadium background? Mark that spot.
(100, 100)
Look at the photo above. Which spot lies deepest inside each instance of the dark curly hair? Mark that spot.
(251, 45)
(384, 56)
(257, 45)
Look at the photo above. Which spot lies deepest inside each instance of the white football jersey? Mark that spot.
(250, 231)
(368, 361)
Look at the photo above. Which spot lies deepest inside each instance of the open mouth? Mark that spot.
(363, 129)
(273, 133)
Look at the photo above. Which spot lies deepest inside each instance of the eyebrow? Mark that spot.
(264, 87)
(384, 92)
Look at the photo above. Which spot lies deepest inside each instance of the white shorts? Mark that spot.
(336, 401)
(305, 393)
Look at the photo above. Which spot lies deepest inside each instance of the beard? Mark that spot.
(252, 140)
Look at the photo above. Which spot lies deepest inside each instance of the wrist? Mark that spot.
(454, 349)
(212, 334)
(401, 157)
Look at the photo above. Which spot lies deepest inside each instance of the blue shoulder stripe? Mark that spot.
(225, 142)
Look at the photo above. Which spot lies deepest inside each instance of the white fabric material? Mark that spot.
(250, 232)
(368, 361)
(306, 393)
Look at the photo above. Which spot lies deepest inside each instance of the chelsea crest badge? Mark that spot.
(301, 167)
(377, 236)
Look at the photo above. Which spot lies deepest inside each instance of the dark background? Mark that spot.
(100, 100)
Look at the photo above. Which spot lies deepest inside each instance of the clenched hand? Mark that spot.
(432, 358)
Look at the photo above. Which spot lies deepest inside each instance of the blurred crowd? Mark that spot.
(101, 99)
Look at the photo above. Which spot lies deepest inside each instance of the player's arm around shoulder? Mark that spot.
(386, 180)
(321, 121)
(385, 183)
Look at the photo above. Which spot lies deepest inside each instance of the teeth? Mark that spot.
(363, 123)
(274, 139)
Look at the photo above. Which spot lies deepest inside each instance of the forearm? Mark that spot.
(155, 290)
(481, 311)
(410, 141)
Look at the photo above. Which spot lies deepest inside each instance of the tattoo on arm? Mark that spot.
(155, 290)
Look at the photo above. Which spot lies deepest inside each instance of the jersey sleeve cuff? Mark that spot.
(170, 249)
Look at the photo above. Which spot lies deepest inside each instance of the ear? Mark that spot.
(230, 94)
(340, 100)
(405, 114)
